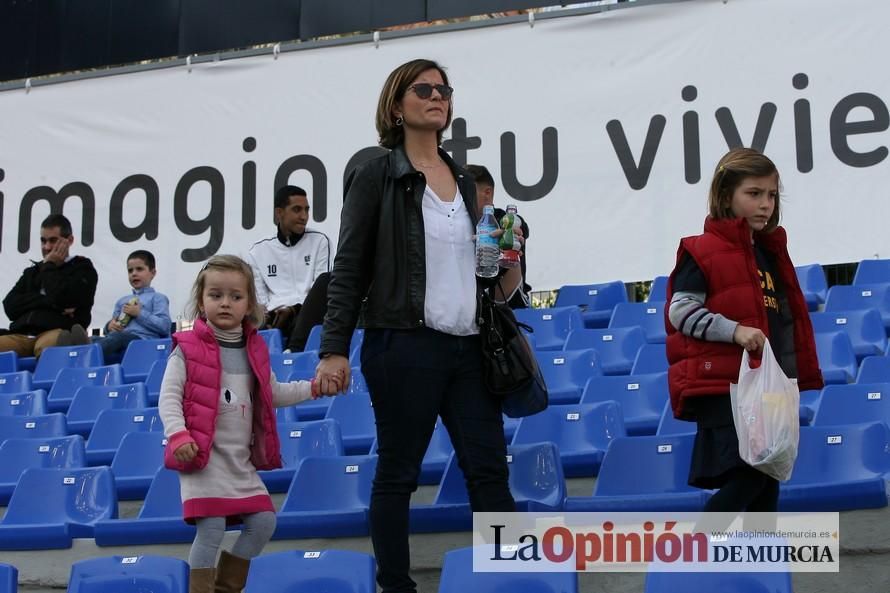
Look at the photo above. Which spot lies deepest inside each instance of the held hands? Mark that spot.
(749, 338)
(186, 452)
(331, 375)
(115, 326)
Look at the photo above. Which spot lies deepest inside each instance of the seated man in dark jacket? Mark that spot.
(52, 296)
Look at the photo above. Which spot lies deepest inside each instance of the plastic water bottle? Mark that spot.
(511, 248)
(123, 318)
(487, 251)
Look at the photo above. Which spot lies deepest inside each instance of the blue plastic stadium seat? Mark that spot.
(355, 415)
(596, 301)
(872, 271)
(642, 398)
(536, 482)
(874, 369)
(355, 345)
(867, 296)
(809, 405)
(313, 342)
(49, 507)
(27, 403)
(329, 497)
(293, 366)
(110, 428)
(652, 358)
(136, 462)
(312, 409)
(153, 381)
(15, 382)
(864, 328)
(645, 473)
(581, 432)
(854, 404)
(298, 571)
(669, 425)
(839, 468)
(141, 355)
(616, 348)
(17, 455)
(551, 326)
(299, 440)
(129, 574)
(90, 400)
(27, 363)
(458, 576)
(56, 358)
(273, 339)
(68, 381)
(648, 316)
(9, 578)
(836, 357)
(9, 362)
(812, 284)
(718, 582)
(437, 455)
(159, 520)
(511, 424)
(658, 290)
(33, 427)
(567, 372)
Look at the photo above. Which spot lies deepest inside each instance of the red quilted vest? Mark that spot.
(200, 400)
(726, 258)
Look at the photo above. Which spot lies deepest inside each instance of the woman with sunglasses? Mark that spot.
(405, 271)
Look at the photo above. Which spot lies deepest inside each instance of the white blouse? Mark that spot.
(450, 300)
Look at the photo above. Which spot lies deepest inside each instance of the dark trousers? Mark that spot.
(308, 314)
(415, 376)
(746, 489)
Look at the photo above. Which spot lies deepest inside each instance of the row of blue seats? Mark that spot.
(600, 304)
(611, 407)
(572, 377)
(838, 468)
(135, 365)
(340, 571)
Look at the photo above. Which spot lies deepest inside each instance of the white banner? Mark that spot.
(604, 129)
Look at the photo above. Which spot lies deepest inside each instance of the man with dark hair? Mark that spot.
(52, 296)
(485, 197)
(290, 264)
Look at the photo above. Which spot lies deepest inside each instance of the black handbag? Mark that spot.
(510, 369)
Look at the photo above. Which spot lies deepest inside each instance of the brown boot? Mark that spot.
(231, 573)
(201, 580)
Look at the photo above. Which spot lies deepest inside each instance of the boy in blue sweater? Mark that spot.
(144, 314)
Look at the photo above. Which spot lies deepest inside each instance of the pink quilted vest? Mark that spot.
(200, 400)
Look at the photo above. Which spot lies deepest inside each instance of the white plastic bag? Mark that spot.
(765, 408)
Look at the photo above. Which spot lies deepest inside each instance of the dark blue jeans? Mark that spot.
(415, 376)
(114, 345)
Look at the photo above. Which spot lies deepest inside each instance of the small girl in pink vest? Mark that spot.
(733, 287)
(217, 404)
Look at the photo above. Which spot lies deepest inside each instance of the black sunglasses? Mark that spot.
(424, 90)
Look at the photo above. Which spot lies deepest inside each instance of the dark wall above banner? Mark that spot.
(39, 37)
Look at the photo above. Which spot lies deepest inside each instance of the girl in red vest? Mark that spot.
(733, 287)
(217, 404)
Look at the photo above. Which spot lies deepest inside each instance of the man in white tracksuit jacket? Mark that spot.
(287, 265)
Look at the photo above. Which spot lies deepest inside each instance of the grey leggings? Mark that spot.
(255, 534)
